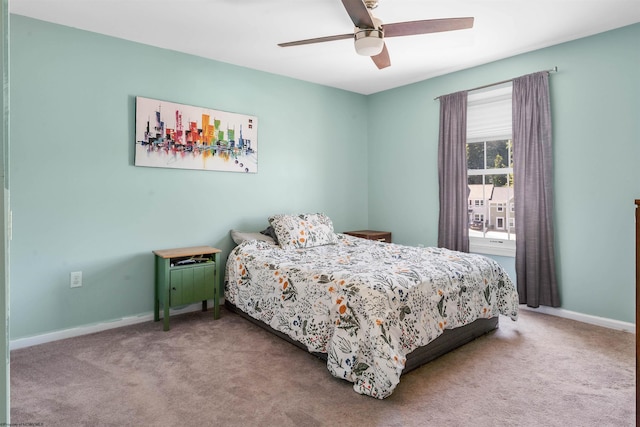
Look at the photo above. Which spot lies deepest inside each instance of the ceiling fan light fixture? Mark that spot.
(369, 42)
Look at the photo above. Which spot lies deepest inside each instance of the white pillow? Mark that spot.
(241, 236)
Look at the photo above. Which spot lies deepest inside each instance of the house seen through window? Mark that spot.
(490, 172)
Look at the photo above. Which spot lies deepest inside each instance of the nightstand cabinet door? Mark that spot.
(191, 284)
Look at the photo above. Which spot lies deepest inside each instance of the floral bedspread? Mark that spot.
(366, 304)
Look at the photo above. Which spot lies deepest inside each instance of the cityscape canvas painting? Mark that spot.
(171, 135)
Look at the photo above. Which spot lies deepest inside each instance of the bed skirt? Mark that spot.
(448, 341)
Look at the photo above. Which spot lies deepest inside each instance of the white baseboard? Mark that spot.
(147, 317)
(93, 328)
(585, 318)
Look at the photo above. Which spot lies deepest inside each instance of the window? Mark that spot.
(490, 172)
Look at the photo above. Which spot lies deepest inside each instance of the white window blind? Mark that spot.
(489, 114)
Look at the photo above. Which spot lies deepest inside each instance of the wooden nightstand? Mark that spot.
(380, 236)
(185, 276)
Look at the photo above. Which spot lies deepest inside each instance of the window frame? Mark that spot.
(485, 244)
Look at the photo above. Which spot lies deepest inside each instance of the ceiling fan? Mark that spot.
(369, 32)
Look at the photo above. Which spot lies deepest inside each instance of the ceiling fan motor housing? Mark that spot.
(369, 41)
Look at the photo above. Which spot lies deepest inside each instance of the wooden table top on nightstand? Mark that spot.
(381, 236)
(183, 252)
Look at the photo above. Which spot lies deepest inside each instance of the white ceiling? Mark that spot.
(246, 32)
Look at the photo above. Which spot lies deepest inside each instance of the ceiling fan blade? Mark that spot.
(382, 59)
(358, 13)
(427, 26)
(317, 40)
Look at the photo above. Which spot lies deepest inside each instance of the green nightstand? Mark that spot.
(185, 276)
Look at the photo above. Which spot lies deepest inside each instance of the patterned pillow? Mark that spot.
(303, 231)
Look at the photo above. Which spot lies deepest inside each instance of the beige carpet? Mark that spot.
(539, 371)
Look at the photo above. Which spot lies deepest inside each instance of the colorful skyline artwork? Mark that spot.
(171, 135)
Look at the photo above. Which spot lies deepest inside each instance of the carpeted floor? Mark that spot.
(539, 371)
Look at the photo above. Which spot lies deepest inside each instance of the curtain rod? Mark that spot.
(552, 70)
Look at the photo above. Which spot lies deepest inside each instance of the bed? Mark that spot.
(373, 310)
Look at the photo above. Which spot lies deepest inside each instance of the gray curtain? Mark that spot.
(453, 225)
(532, 170)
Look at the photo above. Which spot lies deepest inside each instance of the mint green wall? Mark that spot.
(595, 107)
(80, 204)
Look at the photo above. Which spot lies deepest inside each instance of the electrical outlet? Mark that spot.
(76, 279)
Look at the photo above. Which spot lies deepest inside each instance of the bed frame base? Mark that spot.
(448, 341)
